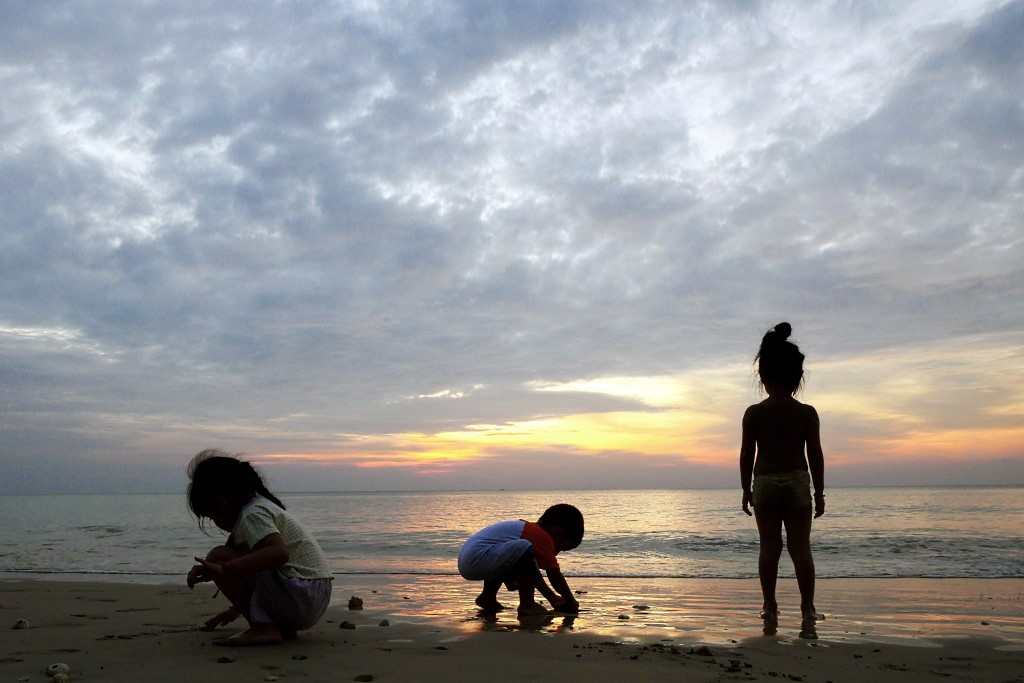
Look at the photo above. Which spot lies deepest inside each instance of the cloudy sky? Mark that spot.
(506, 244)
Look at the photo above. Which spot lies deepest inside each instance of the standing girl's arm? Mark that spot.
(747, 457)
(816, 461)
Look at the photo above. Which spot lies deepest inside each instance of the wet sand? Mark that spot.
(702, 630)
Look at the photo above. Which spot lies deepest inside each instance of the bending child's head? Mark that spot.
(565, 524)
(780, 363)
(219, 486)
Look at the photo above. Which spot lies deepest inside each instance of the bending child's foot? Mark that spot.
(258, 634)
(530, 609)
(488, 603)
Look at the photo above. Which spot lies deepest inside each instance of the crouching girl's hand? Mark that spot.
(222, 619)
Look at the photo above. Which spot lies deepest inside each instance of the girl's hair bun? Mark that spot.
(783, 330)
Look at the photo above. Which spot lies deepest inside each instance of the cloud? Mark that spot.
(270, 229)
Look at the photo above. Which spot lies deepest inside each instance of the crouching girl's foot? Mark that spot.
(257, 634)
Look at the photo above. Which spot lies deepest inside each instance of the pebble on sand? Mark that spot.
(347, 625)
(641, 608)
(57, 668)
(624, 617)
(355, 602)
(21, 624)
(225, 660)
(384, 622)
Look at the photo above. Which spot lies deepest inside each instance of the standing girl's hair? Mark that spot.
(214, 473)
(779, 361)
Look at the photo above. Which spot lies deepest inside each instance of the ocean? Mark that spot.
(867, 532)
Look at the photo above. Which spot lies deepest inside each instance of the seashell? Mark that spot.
(58, 668)
(355, 603)
(384, 622)
(624, 617)
(22, 624)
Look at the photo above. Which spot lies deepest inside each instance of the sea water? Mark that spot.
(866, 532)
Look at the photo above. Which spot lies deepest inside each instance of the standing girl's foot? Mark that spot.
(770, 614)
(809, 615)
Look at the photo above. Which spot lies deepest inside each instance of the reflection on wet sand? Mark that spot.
(914, 611)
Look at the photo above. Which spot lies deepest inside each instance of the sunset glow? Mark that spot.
(494, 245)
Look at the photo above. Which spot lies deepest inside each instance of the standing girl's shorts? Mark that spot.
(290, 603)
(785, 492)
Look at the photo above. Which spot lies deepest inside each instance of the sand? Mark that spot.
(909, 630)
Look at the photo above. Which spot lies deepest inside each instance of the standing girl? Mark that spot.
(775, 433)
(270, 569)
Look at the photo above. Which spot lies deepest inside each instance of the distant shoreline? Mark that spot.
(358, 492)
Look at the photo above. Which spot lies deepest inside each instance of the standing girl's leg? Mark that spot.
(798, 542)
(769, 528)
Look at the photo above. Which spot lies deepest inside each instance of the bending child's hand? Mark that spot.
(747, 502)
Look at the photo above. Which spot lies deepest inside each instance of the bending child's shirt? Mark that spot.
(491, 552)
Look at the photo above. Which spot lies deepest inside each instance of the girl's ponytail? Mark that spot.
(258, 487)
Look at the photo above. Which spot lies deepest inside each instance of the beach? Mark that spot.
(696, 630)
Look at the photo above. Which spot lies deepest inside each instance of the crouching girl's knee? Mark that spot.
(221, 553)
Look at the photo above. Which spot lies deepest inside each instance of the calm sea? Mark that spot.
(867, 532)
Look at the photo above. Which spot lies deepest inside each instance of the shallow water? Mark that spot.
(880, 532)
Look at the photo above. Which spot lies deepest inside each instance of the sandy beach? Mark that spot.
(697, 630)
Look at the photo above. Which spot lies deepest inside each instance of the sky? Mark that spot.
(445, 245)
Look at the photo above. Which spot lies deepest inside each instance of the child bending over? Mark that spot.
(271, 569)
(514, 552)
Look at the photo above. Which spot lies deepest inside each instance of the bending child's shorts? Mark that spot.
(785, 492)
(494, 552)
(286, 601)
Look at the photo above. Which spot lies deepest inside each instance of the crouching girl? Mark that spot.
(270, 569)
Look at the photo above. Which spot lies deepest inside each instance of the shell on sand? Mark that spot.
(355, 602)
(21, 624)
(57, 669)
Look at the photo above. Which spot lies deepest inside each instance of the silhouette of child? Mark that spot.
(780, 427)
(515, 551)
